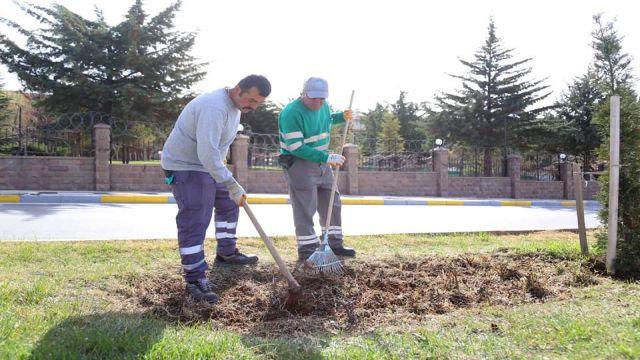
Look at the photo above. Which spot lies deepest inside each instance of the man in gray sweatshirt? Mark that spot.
(193, 159)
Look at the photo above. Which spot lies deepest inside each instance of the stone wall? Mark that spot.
(128, 177)
(480, 187)
(90, 174)
(392, 183)
(541, 189)
(46, 173)
(267, 182)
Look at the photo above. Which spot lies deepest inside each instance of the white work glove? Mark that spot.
(236, 192)
(335, 160)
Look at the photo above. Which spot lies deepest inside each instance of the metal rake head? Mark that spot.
(325, 262)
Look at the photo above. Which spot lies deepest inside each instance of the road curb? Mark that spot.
(47, 197)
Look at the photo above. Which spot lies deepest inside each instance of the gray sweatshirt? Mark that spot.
(202, 135)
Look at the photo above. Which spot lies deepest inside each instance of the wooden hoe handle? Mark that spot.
(293, 284)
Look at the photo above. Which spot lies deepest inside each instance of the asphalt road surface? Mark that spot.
(47, 222)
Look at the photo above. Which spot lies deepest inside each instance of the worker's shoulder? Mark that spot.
(293, 109)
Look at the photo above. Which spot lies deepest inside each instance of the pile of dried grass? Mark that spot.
(368, 294)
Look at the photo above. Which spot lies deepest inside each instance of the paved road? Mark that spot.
(47, 222)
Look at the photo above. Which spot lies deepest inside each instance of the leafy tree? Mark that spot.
(137, 69)
(389, 140)
(494, 106)
(614, 72)
(407, 114)
(372, 122)
(5, 120)
(576, 109)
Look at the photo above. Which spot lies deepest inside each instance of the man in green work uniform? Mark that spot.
(305, 128)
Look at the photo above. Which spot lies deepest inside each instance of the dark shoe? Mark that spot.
(302, 256)
(344, 251)
(236, 258)
(201, 290)
(302, 265)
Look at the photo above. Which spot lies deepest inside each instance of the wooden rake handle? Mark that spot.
(293, 284)
(334, 186)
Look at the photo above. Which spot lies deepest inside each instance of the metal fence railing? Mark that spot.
(71, 134)
(540, 167)
(31, 142)
(264, 150)
(137, 151)
(477, 162)
(405, 155)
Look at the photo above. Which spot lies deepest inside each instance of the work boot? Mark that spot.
(301, 266)
(237, 258)
(344, 251)
(304, 255)
(201, 290)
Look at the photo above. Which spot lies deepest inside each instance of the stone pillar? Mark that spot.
(513, 172)
(566, 175)
(240, 159)
(350, 168)
(441, 167)
(102, 143)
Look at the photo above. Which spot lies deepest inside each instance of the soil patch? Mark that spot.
(368, 294)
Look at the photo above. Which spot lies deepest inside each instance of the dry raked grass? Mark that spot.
(367, 295)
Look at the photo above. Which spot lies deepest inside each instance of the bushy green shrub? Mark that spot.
(628, 247)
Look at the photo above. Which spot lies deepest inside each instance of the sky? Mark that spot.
(376, 48)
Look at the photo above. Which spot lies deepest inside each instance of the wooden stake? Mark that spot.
(614, 178)
(582, 229)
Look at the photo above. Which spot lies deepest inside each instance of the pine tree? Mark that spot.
(138, 69)
(407, 114)
(372, 122)
(612, 65)
(576, 109)
(494, 108)
(389, 140)
(615, 75)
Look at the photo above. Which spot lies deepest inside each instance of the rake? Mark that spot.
(324, 260)
(295, 289)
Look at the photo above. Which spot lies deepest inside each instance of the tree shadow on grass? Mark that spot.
(103, 336)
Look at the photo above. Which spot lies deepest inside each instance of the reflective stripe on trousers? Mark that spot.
(309, 191)
(197, 195)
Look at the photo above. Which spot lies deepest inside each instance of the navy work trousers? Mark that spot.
(197, 195)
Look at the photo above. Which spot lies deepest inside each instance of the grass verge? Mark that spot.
(57, 300)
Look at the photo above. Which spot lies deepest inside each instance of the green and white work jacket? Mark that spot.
(305, 133)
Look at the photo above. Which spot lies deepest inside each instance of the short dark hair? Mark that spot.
(258, 81)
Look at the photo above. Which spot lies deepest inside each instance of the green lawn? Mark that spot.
(63, 300)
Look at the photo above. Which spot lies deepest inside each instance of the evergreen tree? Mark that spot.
(264, 120)
(5, 117)
(576, 109)
(614, 72)
(612, 65)
(628, 249)
(389, 140)
(494, 108)
(137, 69)
(407, 114)
(372, 122)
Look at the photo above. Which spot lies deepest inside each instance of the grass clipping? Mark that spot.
(367, 295)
